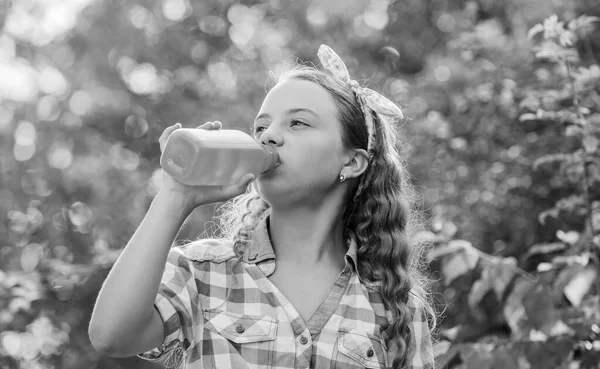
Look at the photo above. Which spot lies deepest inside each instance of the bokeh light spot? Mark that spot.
(25, 134)
(11, 342)
(442, 73)
(139, 16)
(80, 103)
(123, 158)
(316, 16)
(61, 252)
(176, 10)
(241, 33)
(237, 13)
(51, 81)
(60, 157)
(18, 81)
(47, 108)
(213, 25)
(31, 256)
(136, 126)
(376, 19)
(143, 79)
(514, 151)
(446, 23)
(23, 152)
(80, 214)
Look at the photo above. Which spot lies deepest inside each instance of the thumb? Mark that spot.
(246, 180)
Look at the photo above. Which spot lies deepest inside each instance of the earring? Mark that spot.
(342, 177)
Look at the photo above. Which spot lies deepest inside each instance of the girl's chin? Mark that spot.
(268, 187)
(267, 176)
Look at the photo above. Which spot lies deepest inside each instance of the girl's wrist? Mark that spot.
(173, 203)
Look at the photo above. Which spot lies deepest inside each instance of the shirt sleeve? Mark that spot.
(419, 354)
(175, 302)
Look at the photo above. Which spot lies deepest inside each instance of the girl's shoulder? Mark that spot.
(214, 250)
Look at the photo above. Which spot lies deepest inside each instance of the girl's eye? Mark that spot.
(294, 121)
(259, 129)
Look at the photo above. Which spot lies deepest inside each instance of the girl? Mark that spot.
(317, 269)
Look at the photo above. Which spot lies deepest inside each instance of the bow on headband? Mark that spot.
(366, 97)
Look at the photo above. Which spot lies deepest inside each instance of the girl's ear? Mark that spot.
(356, 163)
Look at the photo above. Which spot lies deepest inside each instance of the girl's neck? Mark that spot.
(306, 236)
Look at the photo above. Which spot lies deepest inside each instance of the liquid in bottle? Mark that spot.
(200, 157)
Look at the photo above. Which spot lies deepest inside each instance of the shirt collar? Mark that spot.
(261, 253)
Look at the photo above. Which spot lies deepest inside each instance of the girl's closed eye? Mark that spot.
(293, 122)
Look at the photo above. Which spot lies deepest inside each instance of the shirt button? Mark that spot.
(370, 353)
(240, 329)
(303, 340)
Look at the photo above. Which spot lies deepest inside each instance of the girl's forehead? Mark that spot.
(296, 94)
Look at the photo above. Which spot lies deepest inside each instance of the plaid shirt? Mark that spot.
(223, 312)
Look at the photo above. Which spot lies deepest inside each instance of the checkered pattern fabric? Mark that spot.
(222, 312)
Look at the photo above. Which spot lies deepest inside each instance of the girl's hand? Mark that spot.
(191, 197)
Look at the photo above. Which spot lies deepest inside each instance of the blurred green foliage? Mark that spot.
(87, 86)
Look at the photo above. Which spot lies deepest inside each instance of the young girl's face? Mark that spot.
(300, 120)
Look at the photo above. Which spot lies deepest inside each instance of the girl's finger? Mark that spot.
(216, 125)
(170, 130)
(173, 127)
(207, 125)
(162, 140)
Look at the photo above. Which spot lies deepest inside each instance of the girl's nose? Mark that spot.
(271, 137)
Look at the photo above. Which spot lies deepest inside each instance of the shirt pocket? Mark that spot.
(238, 340)
(365, 350)
(241, 328)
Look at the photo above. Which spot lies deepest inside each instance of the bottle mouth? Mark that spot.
(273, 157)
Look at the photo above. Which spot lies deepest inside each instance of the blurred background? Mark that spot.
(87, 87)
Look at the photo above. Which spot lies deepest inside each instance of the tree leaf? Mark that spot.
(566, 38)
(549, 159)
(580, 285)
(460, 262)
(561, 329)
(567, 237)
(528, 117)
(547, 213)
(590, 144)
(562, 260)
(441, 347)
(514, 310)
(448, 248)
(495, 276)
(582, 24)
(535, 30)
(545, 248)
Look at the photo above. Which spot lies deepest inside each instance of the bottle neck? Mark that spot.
(270, 158)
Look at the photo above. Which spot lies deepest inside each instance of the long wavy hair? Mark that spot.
(383, 216)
